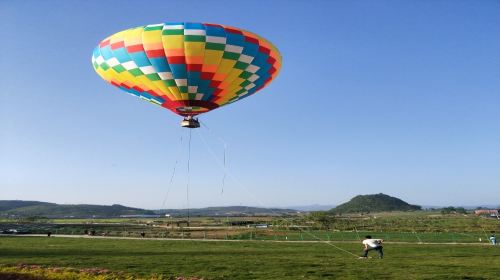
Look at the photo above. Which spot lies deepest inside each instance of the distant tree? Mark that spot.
(453, 210)
(448, 210)
(325, 219)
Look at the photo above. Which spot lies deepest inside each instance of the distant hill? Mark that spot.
(53, 210)
(374, 203)
(6, 205)
(228, 211)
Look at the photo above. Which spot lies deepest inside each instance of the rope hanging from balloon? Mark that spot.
(224, 156)
(187, 184)
(262, 204)
(177, 159)
(224, 177)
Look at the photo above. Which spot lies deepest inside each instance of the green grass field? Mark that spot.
(254, 260)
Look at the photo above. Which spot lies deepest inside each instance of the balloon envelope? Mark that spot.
(188, 68)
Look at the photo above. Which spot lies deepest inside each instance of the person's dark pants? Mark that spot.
(378, 249)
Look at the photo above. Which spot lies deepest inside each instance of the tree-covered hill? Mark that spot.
(6, 205)
(374, 203)
(45, 209)
(52, 210)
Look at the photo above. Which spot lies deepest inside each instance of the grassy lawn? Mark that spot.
(255, 260)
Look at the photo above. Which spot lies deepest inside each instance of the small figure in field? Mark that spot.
(493, 238)
(143, 234)
(372, 244)
(49, 234)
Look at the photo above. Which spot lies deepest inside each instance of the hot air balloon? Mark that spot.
(188, 68)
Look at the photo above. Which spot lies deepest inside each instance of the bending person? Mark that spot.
(372, 244)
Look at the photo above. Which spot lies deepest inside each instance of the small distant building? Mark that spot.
(487, 212)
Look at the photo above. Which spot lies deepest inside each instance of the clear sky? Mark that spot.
(399, 97)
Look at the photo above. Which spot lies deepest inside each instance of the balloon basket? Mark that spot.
(190, 122)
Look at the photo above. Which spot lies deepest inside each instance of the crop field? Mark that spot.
(418, 245)
(252, 259)
(422, 226)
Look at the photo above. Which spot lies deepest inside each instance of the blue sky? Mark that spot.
(399, 97)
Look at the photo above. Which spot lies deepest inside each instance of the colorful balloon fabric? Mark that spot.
(188, 68)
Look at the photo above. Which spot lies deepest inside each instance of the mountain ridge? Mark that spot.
(53, 210)
(21, 208)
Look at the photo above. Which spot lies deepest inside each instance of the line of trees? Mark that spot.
(453, 210)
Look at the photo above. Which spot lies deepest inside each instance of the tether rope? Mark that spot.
(224, 177)
(258, 201)
(355, 228)
(173, 175)
(225, 155)
(188, 167)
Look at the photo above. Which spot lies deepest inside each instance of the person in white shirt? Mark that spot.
(493, 238)
(372, 244)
